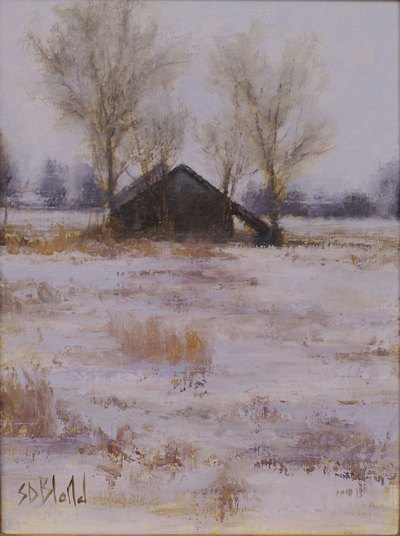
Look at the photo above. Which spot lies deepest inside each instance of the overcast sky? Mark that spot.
(359, 48)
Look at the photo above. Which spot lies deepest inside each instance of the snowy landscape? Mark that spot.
(199, 284)
(206, 388)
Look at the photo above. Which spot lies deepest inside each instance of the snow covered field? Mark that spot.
(208, 389)
(46, 222)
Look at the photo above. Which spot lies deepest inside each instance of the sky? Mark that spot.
(359, 50)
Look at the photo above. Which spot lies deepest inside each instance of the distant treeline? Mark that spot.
(63, 187)
(70, 186)
(383, 202)
(76, 186)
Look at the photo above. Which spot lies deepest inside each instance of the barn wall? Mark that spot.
(195, 208)
(192, 208)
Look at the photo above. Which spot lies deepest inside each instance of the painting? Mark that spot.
(199, 271)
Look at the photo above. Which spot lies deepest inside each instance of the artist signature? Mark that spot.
(44, 488)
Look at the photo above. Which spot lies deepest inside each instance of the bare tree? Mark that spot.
(158, 142)
(99, 63)
(277, 106)
(223, 143)
(160, 136)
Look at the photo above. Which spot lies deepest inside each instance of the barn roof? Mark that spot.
(137, 187)
(156, 175)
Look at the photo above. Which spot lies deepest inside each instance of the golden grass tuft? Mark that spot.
(17, 243)
(97, 241)
(27, 404)
(103, 241)
(152, 341)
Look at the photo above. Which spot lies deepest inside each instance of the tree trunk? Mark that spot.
(5, 215)
(274, 207)
(110, 174)
(227, 208)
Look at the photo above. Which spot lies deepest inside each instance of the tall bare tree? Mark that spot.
(160, 136)
(277, 106)
(158, 142)
(223, 143)
(101, 60)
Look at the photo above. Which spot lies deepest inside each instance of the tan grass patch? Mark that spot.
(97, 241)
(100, 241)
(152, 341)
(27, 404)
(17, 243)
(224, 497)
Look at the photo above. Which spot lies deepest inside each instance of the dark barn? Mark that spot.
(185, 202)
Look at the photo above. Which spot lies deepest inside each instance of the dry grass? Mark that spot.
(169, 457)
(223, 496)
(369, 355)
(17, 243)
(350, 451)
(73, 424)
(370, 251)
(27, 407)
(127, 449)
(100, 241)
(97, 241)
(152, 341)
(16, 297)
(199, 250)
(9, 303)
(141, 247)
(258, 409)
